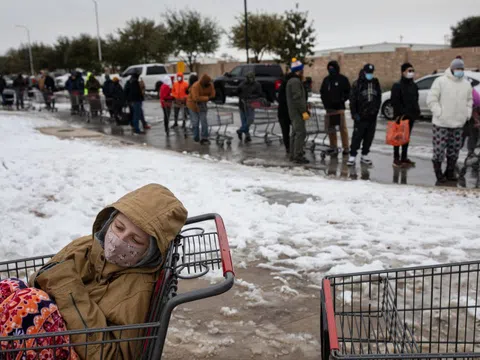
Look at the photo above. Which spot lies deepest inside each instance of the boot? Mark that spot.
(437, 166)
(450, 173)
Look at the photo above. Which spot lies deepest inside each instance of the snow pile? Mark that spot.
(52, 190)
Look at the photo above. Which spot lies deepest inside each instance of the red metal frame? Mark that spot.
(224, 246)
(330, 312)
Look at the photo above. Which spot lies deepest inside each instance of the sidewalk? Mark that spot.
(273, 155)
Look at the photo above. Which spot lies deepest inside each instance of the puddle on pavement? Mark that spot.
(283, 197)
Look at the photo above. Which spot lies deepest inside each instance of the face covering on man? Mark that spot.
(459, 73)
(369, 77)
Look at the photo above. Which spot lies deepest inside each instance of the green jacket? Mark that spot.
(296, 98)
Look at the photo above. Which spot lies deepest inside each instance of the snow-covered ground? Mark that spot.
(52, 189)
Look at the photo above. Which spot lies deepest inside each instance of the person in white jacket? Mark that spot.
(450, 101)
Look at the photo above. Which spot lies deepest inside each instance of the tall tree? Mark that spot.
(466, 33)
(192, 35)
(297, 39)
(141, 41)
(264, 31)
(82, 53)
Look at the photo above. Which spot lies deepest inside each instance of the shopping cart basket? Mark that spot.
(317, 132)
(201, 246)
(95, 107)
(265, 120)
(218, 121)
(413, 313)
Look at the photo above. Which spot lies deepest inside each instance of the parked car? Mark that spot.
(268, 75)
(151, 75)
(424, 85)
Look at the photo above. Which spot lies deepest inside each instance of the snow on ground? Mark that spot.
(52, 189)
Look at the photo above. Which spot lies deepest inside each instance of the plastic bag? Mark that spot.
(398, 132)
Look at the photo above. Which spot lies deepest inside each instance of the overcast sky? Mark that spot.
(338, 22)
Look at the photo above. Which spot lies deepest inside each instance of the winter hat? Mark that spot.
(406, 66)
(369, 69)
(296, 65)
(116, 79)
(458, 63)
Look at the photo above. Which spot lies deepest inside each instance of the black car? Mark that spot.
(268, 75)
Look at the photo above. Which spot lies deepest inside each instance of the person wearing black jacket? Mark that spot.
(365, 101)
(250, 89)
(107, 89)
(134, 96)
(283, 116)
(3, 85)
(335, 91)
(19, 85)
(405, 103)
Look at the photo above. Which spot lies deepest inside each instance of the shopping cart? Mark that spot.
(472, 162)
(95, 106)
(202, 246)
(317, 132)
(76, 103)
(428, 312)
(265, 120)
(218, 121)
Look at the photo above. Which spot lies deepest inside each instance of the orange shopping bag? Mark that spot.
(398, 132)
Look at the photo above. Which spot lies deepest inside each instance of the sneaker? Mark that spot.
(139, 133)
(397, 163)
(248, 139)
(240, 135)
(365, 160)
(205, 142)
(408, 163)
(147, 127)
(346, 152)
(174, 126)
(352, 160)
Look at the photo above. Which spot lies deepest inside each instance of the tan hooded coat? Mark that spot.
(92, 293)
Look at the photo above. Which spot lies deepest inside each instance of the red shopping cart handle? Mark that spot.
(332, 326)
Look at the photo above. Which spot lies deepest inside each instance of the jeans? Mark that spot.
(137, 115)
(19, 96)
(247, 116)
(166, 117)
(198, 118)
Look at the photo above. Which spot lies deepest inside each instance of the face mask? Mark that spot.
(122, 253)
(332, 71)
(458, 74)
(179, 79)
(369, 77)
(410, 75)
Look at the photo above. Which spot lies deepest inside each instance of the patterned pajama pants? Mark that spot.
(29, 311)
(449, 140)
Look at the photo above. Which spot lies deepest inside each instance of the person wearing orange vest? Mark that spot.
(179, 93)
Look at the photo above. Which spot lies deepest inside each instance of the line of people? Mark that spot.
(450, 99)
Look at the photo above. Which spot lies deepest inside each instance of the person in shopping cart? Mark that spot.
(298, 111)
(248, 91)
(179, 93)
(104, 279)
(199, 95)
(365, 102)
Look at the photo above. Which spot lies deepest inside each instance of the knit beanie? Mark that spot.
(458, 63)
(406, 66)
(296, 65)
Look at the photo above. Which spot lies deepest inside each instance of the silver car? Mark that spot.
(424, 85)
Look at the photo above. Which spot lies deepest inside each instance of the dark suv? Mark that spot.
(269, 76)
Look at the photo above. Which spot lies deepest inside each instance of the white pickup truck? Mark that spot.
(151, 74)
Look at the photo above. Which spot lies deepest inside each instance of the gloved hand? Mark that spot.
(356, 117)
(306, 116)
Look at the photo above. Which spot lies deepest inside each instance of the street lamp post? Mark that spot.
(246, 31)
(98, 32)
(29, 48)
